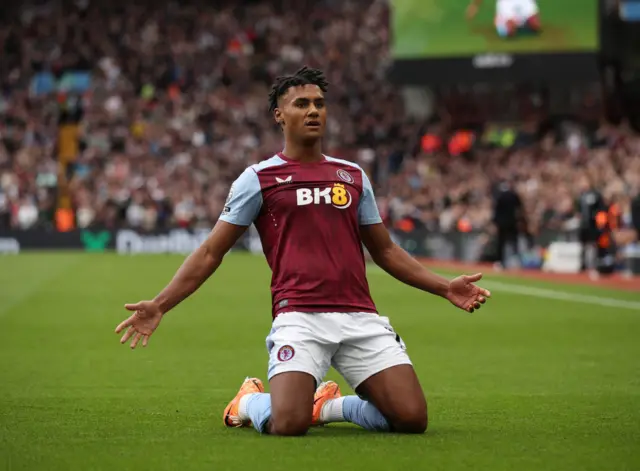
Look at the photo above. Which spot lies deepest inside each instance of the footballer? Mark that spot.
(512, 16)
(313, 213)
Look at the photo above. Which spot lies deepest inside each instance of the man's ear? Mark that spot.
(278, 117)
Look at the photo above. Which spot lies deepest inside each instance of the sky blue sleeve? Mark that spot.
(367, 208)
(244, 201)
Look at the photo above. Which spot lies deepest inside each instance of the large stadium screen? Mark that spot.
(493, 33)
(448, 28)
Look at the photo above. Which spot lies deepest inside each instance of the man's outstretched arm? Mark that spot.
(394, 260)
(241, 208)
(195, 270)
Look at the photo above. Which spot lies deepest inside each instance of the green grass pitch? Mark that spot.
(439, 28)
(526, 383)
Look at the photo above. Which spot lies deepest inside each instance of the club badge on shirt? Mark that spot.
(345, 176)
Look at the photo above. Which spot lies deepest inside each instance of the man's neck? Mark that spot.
(303, 153)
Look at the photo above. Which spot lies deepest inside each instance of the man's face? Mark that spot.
(302, 112)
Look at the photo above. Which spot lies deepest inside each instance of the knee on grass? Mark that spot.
(289, 426)
(414, 422)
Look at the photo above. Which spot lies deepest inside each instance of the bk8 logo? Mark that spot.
(337, 196)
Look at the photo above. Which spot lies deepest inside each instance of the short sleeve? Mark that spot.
(244, 201)
(367, 208)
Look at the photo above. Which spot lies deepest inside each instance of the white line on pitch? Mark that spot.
(547, 293)
(562, 295)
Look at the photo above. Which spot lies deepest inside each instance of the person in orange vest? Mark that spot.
(607, 221)
(65, 220)
(430, 143)
(461, 142)
(464, 225)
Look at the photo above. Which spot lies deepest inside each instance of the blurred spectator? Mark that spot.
(635, 214)
(508, 218)
(27, 213)
(590, 203)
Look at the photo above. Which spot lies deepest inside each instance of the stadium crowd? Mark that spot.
(177, 107)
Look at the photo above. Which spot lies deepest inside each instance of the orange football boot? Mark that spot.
(230, 418)
(326, 391)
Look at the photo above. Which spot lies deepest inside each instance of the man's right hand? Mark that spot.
(143, 322)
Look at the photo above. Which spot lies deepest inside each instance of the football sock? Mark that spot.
(257, 408)
(355, 410)
(332, 411)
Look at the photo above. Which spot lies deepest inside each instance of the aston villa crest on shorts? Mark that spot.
(286, 353)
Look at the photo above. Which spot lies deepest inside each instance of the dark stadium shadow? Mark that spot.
(345, 430)
(350, 430)
(332, 431)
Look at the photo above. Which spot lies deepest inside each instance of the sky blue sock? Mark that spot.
(364, 414)
(259, 410)
(502, 31)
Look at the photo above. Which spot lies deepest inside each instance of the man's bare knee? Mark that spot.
(291, 403)
(415, 422)
(289, 426)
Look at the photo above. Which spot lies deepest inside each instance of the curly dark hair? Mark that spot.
(304, 76)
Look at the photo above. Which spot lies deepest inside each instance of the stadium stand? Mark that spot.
(176, 106)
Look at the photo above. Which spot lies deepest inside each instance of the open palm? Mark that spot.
(141, 324)
(463, 293)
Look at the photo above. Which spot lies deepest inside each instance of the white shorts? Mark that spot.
(518, 11)
(358, 345)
